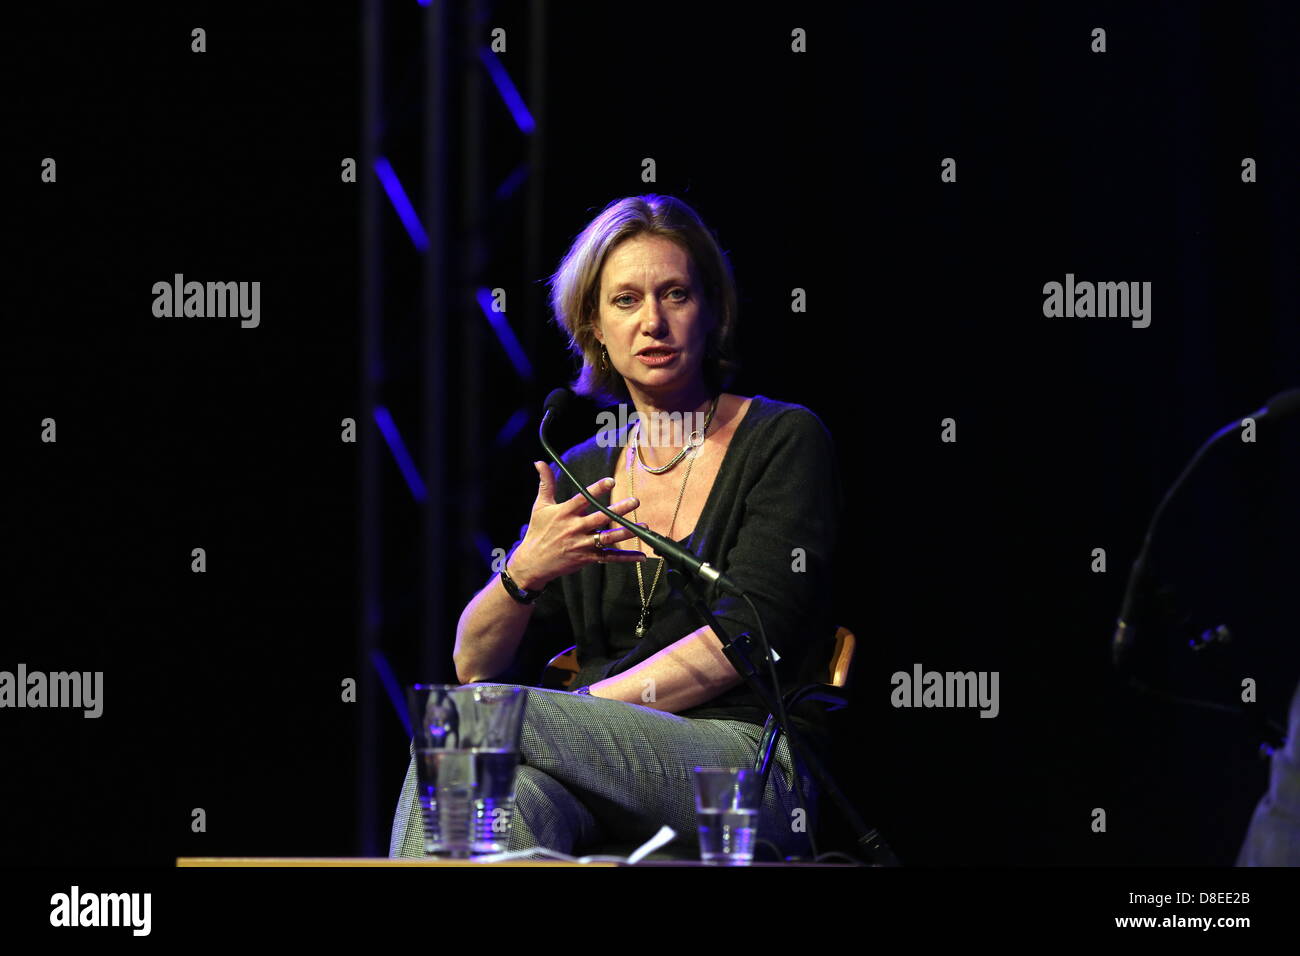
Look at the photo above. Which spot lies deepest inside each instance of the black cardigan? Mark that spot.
(769, 523)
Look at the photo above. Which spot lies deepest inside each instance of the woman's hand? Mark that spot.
(559, 536)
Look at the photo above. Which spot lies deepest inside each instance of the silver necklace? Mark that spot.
(694, 440)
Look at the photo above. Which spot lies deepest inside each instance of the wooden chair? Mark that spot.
(830, 689)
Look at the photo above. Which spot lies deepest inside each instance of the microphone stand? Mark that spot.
(737, 651)
(1281, 405)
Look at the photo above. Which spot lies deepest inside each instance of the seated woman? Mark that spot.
(648, 301)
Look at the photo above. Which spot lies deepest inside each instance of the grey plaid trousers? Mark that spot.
(595, 771)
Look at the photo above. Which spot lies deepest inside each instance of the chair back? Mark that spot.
(841, 662)
(561, 670)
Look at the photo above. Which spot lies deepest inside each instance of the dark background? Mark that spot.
(821, 171)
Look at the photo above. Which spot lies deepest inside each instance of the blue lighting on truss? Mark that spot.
(403, 458)
(397, 196)
(512, 428)
(506, 335)
(511, 183)
(506, 87)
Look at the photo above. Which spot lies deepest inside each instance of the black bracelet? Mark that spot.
(522, 595)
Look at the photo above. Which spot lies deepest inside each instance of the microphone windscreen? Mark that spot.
(556, 401)
(1284, 403)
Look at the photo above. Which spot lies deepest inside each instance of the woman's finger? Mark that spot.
(598, 520)
(619, 533)
(578, 502)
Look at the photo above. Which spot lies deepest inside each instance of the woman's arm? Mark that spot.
(489, 630)
(682, 675)
(556, 541)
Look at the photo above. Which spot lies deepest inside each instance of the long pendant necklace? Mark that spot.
(633, 454)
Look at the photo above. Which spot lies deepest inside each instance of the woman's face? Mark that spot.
(649, 299)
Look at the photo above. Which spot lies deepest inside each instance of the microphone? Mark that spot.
(673, 553)
(1278, 407)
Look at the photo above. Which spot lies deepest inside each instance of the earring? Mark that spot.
(604, 359)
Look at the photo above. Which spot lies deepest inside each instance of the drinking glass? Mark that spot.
(727, 804)
(466, 754)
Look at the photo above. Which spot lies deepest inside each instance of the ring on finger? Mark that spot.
(600, 552)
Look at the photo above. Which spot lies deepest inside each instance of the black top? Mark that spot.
(769, 523)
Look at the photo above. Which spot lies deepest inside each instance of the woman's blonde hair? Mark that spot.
(576, 284)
